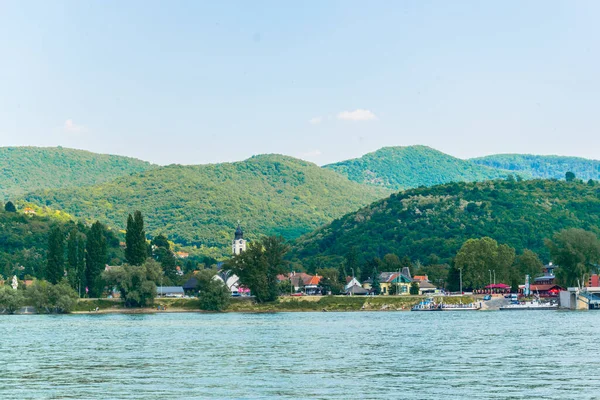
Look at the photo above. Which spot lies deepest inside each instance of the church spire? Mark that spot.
(239, 244)
(239, 233)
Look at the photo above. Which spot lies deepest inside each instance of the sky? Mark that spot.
(194, 82)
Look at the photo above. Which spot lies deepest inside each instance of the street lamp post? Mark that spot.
(490, 281)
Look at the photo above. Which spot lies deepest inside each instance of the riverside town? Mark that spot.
(258, 277)
(254, 199)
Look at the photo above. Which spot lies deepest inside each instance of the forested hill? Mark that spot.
(542, 166)
(432, 223)
(24, 242)
(200, 205)
(400, 168)
(24, 169)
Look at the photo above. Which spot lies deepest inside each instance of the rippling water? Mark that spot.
(520, 354)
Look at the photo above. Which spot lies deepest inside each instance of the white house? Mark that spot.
(351, 282)
(232, 281)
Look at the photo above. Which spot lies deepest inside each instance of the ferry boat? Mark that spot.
(460, 307)
(427, 305)
(534, 304)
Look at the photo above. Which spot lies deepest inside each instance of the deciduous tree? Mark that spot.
(528, 263)
(10, 299)
(477, 257)
(214, 296)
(135, 283)
(570, 176)
(574, 251)
(10, 207)
(259, 265)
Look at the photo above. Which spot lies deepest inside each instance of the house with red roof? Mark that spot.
(303, 282)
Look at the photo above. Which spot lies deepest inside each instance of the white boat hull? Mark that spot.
(460, 308)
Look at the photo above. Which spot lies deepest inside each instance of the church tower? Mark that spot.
(239, 244)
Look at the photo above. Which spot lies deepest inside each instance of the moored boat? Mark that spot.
(460, 307)
(427, 305)
(534, 304)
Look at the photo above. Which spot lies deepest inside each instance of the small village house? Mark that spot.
(387, 280)
(29, 211)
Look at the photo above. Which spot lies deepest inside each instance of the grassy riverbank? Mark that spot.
(283, 304)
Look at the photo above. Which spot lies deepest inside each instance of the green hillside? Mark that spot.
(542, 166)
(200, 205)
(425, 222)
(401, 168)
(25, 169)
(24, 242)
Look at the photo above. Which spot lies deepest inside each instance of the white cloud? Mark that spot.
(357, 115)
(72, 127)
(315, 120)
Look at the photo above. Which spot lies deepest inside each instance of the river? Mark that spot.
(362, 355)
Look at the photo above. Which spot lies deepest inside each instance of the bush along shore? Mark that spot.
(282, 304)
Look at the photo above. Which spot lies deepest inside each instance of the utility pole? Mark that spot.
(490, 280)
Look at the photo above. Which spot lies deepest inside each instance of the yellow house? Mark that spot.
(390, 281)
(401, 283)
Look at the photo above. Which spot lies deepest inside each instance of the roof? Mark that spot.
(545, 278)
(313, 280)
(420, 278)
(387, 276)
(401, 279)
(356, 290)
(297, 277)
(543, 288)
(426, 285)
(169, 289)
(498, 286)
(239, 233)
(190, 284)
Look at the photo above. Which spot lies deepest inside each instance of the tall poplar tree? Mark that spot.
(72, 249)
(55, 266)
(81, 277)
(96, 257)
(136, 251)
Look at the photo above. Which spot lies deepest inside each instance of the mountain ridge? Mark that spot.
(434, 222)
(542, 166)
(29, 168)
(199, 205)
(406, 167)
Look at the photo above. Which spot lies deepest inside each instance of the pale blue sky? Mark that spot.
(207, 81)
